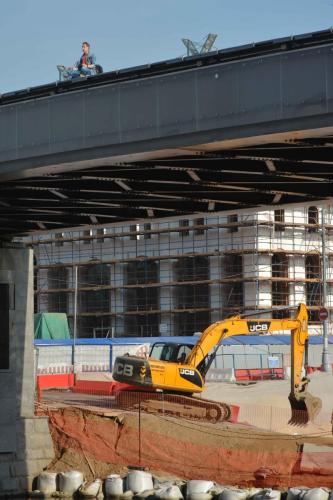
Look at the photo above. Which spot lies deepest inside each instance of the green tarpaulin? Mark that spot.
(51, 326)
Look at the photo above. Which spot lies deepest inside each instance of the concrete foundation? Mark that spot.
(25, 443)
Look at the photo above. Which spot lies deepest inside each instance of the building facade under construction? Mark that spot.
(176, 276)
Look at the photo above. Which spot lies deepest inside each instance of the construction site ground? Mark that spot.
(90, 434)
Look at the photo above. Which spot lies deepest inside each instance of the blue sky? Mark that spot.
(36, 35)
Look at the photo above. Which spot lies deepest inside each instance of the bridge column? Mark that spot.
(25, 443)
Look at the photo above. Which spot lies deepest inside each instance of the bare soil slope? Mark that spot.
(226, 453)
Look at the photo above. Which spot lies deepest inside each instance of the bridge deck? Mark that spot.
(238, 127)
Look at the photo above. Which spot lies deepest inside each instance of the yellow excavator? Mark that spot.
(174, 372)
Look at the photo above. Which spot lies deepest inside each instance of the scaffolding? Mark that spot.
(175, 277)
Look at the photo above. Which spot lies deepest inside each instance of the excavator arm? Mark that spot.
(236, 325)
(300, 399)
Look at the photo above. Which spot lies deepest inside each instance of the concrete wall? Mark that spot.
(25, 443)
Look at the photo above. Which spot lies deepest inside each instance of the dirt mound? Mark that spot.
(68, 459)
(225, 453)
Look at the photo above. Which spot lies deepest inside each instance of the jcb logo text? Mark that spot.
(258, 327)
(186, 371)
(124, 369)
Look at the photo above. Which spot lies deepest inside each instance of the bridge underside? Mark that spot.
(240, 127)
(200, 181)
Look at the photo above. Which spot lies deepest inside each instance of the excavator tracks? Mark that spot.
(176, 405)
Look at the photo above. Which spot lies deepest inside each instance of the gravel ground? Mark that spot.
(265, 403)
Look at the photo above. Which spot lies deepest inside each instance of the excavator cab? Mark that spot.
(170, 351)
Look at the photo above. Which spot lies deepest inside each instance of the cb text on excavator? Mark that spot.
(179, 370)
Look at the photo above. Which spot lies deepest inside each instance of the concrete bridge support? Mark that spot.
(25, 443)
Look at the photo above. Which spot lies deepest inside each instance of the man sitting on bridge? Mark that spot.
(85, 66)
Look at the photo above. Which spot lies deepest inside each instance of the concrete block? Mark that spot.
(25, 428)
(26, 483)
(42, 455)
(27, 424)
(25, 403)
(41, 424)
(34, 454)
(6, 458)
(49, 447)
(21, 453)
(7, 387)
(40, 440)
(8, 438)
(9, 485)
(25, 468)
(49, 453)
(4, 470)
(7, 411)
(48, 442)
(30, 452)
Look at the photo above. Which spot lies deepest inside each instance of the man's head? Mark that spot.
(85, 47)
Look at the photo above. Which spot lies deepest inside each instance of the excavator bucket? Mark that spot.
(304, 408)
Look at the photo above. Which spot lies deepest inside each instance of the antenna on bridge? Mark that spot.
(195, 48)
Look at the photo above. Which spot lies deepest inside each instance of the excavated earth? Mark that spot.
(103, 443)
(100, 441)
